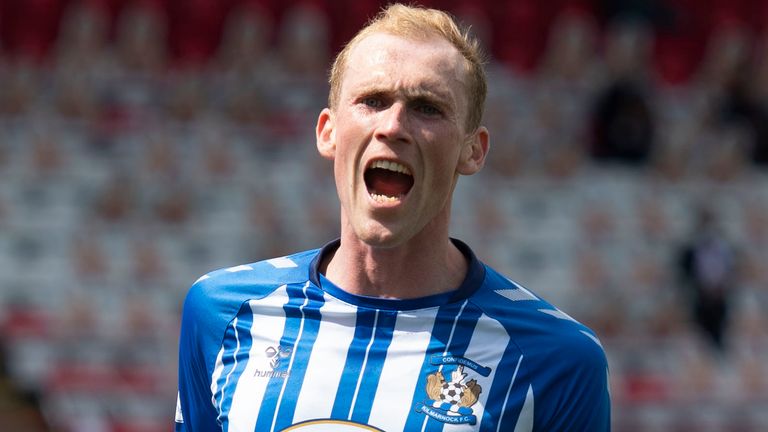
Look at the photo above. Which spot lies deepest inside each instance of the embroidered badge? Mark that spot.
(450, 400)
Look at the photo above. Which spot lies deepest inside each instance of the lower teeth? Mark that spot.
(383, 198)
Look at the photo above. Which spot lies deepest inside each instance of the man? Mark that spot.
(708, 266)
(395, 326)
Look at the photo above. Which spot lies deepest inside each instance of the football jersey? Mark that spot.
(275, 346)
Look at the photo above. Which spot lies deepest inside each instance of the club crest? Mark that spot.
(450, 399)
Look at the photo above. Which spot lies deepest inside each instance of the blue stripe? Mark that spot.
(301, 354)
(293, 321)
(462, 335)
(500, 394)
(353, 366)
(234, 359)
(372, 374)
(441, 333)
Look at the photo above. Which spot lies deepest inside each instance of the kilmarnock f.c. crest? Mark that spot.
(450, 401)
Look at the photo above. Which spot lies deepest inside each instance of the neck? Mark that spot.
(405, 271)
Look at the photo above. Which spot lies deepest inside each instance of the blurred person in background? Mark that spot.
(394, 326)
(708, 265)
(622, 119)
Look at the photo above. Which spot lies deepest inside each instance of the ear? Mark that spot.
(472, 157)
(326, 134)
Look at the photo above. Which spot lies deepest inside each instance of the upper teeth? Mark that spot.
(392, 166)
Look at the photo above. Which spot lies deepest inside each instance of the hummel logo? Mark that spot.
(275, 355)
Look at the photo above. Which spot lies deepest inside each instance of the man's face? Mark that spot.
(398, 137)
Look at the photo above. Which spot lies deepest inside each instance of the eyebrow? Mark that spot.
(412, 93)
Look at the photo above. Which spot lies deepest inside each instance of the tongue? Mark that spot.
(389, 183)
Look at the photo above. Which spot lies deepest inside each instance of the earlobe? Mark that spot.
(475, 150)
(325, 134)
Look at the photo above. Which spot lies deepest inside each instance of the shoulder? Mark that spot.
(222, 291)
(561, 359)
(537, 326)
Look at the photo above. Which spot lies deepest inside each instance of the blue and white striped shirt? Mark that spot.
(275, 346)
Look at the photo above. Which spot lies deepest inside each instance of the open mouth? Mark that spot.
(387, 180)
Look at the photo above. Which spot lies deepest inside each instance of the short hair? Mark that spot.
(421, 23)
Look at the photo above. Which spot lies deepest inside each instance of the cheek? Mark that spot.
(442, 176)
(344, 169)
(351, 140)
(445, 156)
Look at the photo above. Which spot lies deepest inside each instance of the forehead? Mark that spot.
(381, 59)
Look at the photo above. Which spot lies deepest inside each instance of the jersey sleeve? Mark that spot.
(584, 398)
(198, 348)
(563, 378)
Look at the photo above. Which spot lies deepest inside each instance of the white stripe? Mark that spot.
(217, 371)
(293, 356)
(516, 294)
(525, 420)
(239, 268)
(266, 330)
(592, 338)
(326, 366)
(557, 313)
(202, 278)
(234, 365)
(450, 339)
(412, 334)
(453, 330)
(179, 416)
(509, 391)
(282, 262)
(362, 369)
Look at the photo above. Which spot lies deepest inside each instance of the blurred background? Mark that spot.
(144, 143)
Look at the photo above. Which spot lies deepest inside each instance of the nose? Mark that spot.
(393, 123)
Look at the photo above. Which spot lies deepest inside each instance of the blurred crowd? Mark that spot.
(144, 143)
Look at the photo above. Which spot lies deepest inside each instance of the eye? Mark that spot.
(428, 109)
(372, 101)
